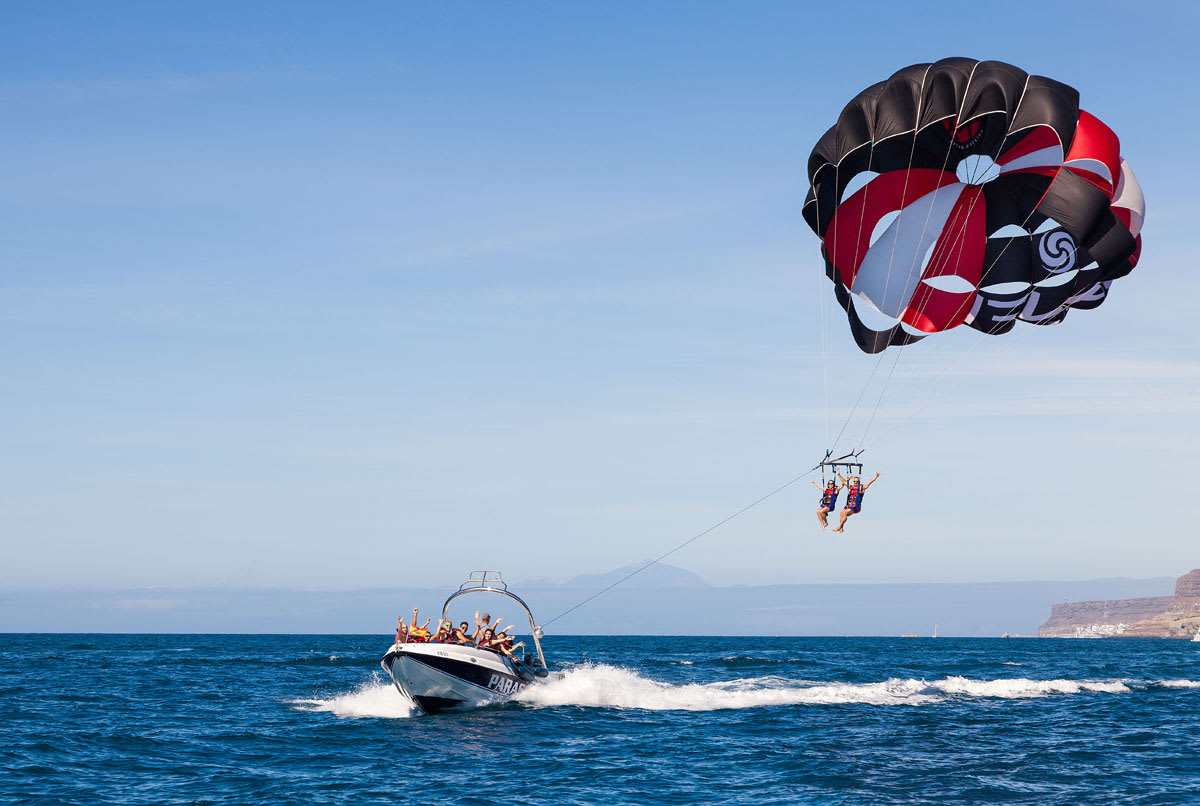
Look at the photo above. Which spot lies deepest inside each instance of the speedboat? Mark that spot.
(448, 677)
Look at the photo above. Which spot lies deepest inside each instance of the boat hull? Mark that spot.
(449, 677)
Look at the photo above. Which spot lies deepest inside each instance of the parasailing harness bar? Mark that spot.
(846, 461)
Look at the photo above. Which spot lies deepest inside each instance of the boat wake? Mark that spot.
(374, 698)
(605, 686)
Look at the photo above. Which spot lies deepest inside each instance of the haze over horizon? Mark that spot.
(662, 600)
(350, 298)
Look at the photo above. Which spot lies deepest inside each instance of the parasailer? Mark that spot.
(829, 497)
(855, 490)
(969, 192)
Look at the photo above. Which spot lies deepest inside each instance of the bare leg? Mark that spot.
(823, 517)
(841, 527)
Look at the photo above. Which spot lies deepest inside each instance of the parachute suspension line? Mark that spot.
(825, 340)
(858, 445)
(958, 240)
(951, 382)
(912, 150)
(962, 230)
(887, 278)
(955, 380)
(912, 266)
(928, 213)
(685, 543)
(853, 409)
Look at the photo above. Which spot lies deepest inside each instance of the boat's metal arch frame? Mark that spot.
(493, 582)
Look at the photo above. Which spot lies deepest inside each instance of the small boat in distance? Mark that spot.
(1196, 637)
(445, 677)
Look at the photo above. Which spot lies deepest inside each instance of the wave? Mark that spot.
(1179, 683)
(603, 686)
(370, 699)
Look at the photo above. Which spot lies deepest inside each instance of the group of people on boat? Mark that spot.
(855, 489)
(486, 635)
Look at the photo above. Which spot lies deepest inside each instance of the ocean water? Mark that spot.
(199, 719)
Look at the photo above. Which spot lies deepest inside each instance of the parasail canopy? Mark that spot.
(969, 192)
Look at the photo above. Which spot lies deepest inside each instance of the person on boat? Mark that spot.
(445, 629)
(505, 646)
(855, 490)
(485, 641)
(497, 641)
(829, 497)
(482, 622)
(402, 632)
(461, 636)
(418, 635)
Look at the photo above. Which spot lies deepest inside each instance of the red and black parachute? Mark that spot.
(968, 192)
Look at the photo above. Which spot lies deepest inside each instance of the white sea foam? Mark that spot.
(1020, 687)
(604, 686)
(1180, 683)
(371, 699)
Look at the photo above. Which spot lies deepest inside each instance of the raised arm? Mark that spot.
(872, 481)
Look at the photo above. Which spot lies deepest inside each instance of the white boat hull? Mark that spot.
(450, 677)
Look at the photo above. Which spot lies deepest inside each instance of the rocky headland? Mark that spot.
(1175, 616)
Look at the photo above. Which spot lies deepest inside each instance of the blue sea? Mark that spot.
(295, 719)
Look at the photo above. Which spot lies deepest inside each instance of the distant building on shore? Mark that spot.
(1175, 616)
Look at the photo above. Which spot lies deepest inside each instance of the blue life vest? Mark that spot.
(829, 498)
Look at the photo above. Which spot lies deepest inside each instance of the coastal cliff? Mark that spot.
(1175, 616)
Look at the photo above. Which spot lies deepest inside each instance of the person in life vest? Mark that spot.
(461, 636)
(829, 497)
(402, 632)
(445, 630)
(504, 644)
(418, 635)
(855, 490)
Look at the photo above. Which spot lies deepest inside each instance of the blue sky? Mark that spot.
(315, 296)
